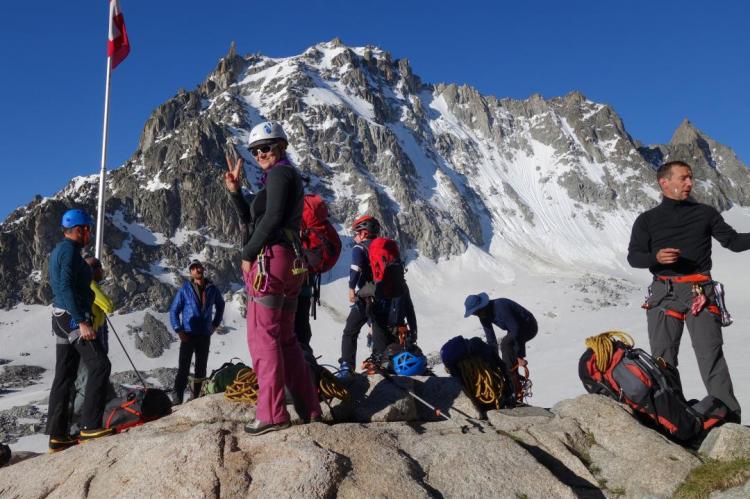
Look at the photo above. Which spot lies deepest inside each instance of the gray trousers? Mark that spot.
(665, 333)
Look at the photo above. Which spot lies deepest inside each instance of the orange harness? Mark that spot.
(685, 278)
(680, 316)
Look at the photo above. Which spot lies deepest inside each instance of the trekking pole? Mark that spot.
(126, 352)
(434, 409)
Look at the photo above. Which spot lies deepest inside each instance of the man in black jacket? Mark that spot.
(673, 241)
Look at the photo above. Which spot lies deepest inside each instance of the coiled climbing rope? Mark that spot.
(603, 346)
(330, 387)
(244, 388)
(485, 384)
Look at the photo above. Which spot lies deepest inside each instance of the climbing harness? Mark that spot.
(603, 346)
(244, 388)
(692, 278)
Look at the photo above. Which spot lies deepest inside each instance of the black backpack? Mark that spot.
(652, 388)
(137, 407)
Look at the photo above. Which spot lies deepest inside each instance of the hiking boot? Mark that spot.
(93, 433)
(174, 398)
(345, 370)
(56, 444)
(258, 427)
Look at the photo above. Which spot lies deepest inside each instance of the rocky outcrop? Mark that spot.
(585, 447)
(19, 376)
(152, 337)
(730, 441)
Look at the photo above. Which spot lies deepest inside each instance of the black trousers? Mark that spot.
(359, 315)
(354, 322)
(67, 358)
(382, 335)
(197, 344)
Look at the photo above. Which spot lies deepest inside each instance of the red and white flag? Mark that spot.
(118, 46)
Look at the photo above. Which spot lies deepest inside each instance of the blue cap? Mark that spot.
(475, 302)
(74, 218)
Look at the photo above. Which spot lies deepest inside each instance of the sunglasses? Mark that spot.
(265, 148)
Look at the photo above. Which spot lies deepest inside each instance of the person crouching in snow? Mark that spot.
(191, 317)
(510, 316)
(273, 276)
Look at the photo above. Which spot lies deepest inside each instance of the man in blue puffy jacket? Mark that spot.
(196, 312)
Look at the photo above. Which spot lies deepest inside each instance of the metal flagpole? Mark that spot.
(103, 172)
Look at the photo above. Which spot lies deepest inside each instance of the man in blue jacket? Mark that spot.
(194, 320)
(72, 324)
(510, 316)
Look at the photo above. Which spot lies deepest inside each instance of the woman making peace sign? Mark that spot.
(270, 268)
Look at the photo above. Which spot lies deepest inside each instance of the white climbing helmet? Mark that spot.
(268, 131)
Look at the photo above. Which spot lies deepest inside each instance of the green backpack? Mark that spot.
(222, 377)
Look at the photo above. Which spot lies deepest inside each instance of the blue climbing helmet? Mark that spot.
(408, 364)
(75, 217)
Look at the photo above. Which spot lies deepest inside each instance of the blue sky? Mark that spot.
(655, 62)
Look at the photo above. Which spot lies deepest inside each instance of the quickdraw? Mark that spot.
(260, 282)
(699, 299)
(524, 385)
(299, 265)
(403, 334)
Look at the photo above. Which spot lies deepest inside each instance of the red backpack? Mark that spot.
(651, 387)
(321, 245)
(387, 268)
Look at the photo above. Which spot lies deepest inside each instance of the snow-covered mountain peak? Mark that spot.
(551, 182)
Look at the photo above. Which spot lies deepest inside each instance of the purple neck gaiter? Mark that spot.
(264, 175)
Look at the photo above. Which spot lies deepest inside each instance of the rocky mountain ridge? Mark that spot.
(441, 165)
